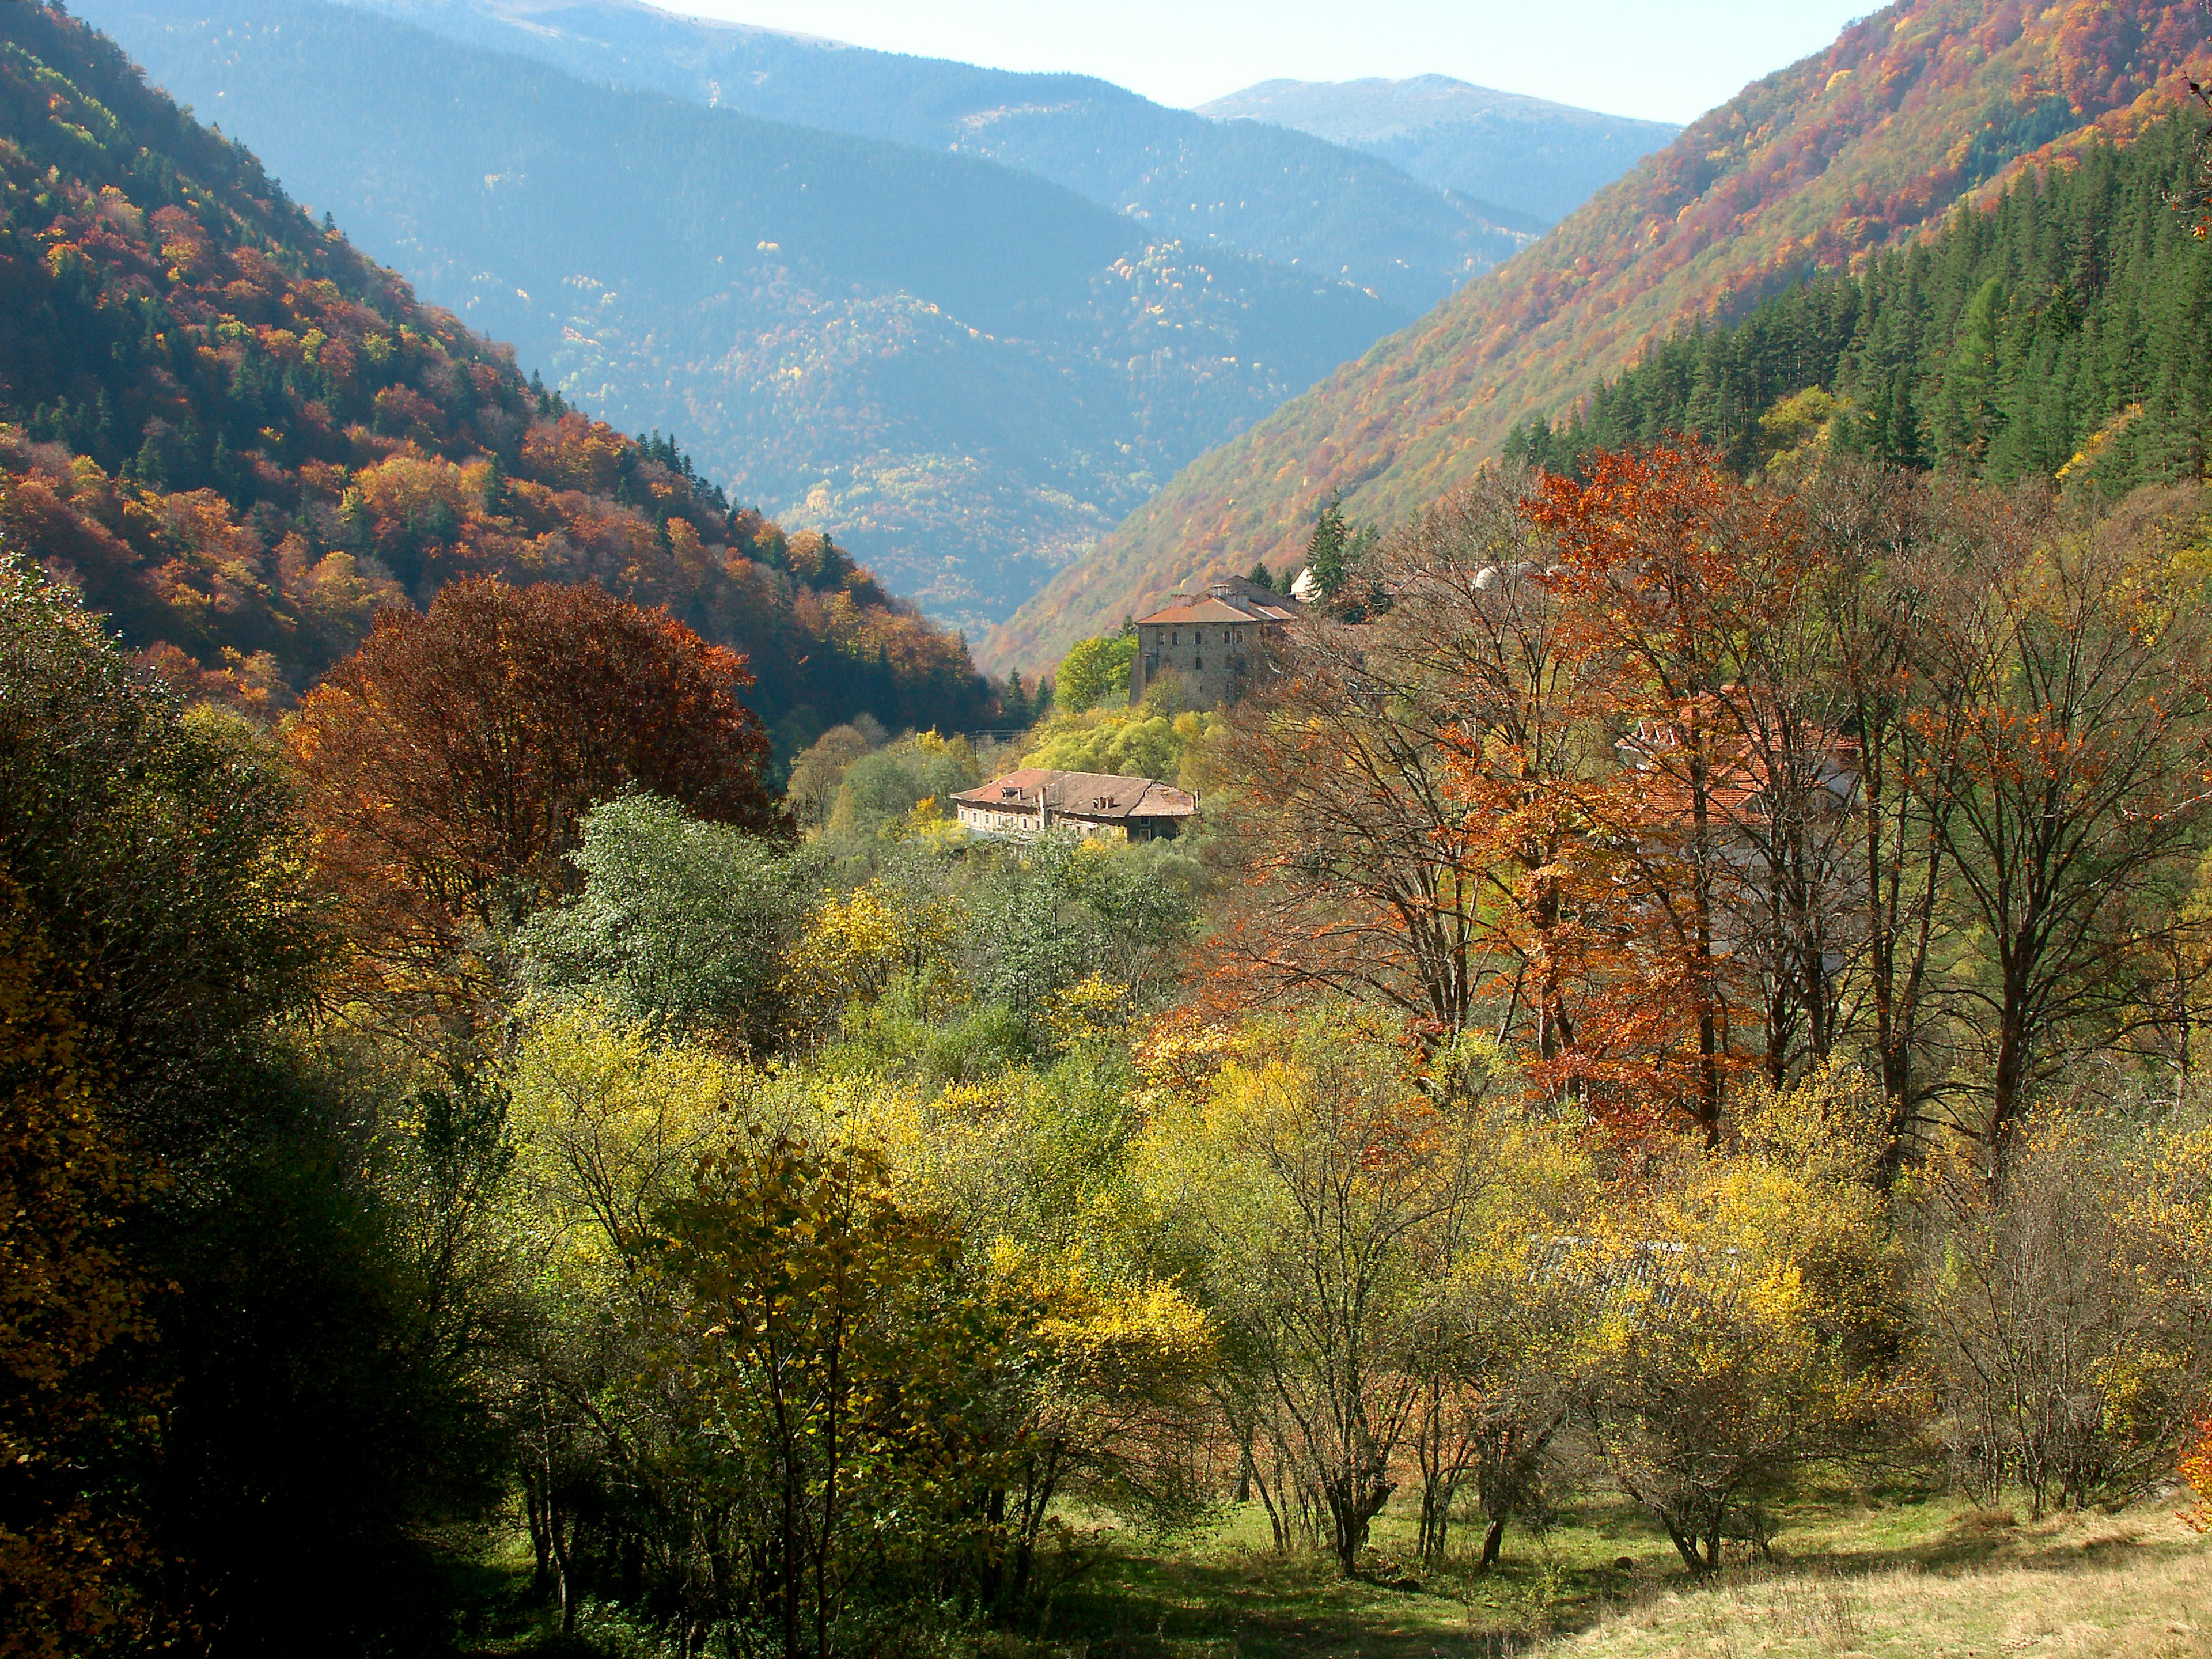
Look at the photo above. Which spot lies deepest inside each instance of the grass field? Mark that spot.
(1853, 1575)
(1884, 1576)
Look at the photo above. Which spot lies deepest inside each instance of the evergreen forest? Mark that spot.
(2063, 332)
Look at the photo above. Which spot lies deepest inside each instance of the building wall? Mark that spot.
(988, 821)
(1215, 659)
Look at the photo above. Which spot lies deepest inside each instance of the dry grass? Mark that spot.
(2137, 1585)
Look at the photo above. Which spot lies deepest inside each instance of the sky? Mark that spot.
(1665, 62)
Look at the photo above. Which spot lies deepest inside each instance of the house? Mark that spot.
(1104, 805)
(1216, 643)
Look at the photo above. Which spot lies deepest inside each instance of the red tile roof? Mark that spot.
(1102, 797)
(1236, 601)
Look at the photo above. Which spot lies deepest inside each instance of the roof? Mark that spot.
(1233, 601)
(1107, 797)
(1736, 785)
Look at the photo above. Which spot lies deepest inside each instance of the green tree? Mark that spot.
(1326, 548)
(1094, 671)
(681, 922)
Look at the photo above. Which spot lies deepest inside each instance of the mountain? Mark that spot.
(1517, 160)
(2066, 332)
(1817, 167)
(963, 371)
(1330, 212)
(239, 437)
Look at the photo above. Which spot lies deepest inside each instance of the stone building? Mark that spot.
(1104, 805)
(1216, 642)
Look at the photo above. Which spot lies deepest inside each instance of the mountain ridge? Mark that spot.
(239, 438)
(1330, 211)
(809, 310)
(1527, 159)
(1908, 112)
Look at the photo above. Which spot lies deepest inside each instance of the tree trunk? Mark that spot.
(1493, 1539)
(2008, 1079)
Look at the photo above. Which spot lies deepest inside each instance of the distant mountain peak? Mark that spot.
(1376, 107)
(1532, 156)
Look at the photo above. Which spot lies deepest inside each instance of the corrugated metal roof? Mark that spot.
(1109, 797)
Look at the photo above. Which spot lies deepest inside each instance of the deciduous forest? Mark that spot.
(241, 438)
(1686, 993)
(1654, 1106)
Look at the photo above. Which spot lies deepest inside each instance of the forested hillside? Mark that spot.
(1331, 211)
(1526, 155)
(1816, 168)
(964, 371)
(241, 438)
(2066, 332)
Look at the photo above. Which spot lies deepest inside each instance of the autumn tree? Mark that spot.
(2068, 745)
(797, 1264)
(1318, 1188)
(2066, 1307)
(1749, 1317)
(1883, 539)
(1504, 1342)
(1387, 785)
(1657, 552)
(447, 766)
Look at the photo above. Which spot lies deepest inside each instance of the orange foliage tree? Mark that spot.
(1373, 876)
(446, 766)
(1690, 598)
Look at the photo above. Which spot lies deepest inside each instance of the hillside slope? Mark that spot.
(963, 371)
(1287, 197)
(2066, 332)
(240, 437)
(1814, 167)
(1525, 154)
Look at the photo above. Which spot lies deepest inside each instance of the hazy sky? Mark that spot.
(1669, 62)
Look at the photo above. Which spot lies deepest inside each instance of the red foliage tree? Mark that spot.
(447, 765)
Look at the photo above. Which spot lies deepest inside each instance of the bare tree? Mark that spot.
(2066, 1310)
(1880, 535)
(1392, 783)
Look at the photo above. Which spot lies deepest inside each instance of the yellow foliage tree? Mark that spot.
(1741, 1294)
(1140, 742)
(858, 946)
